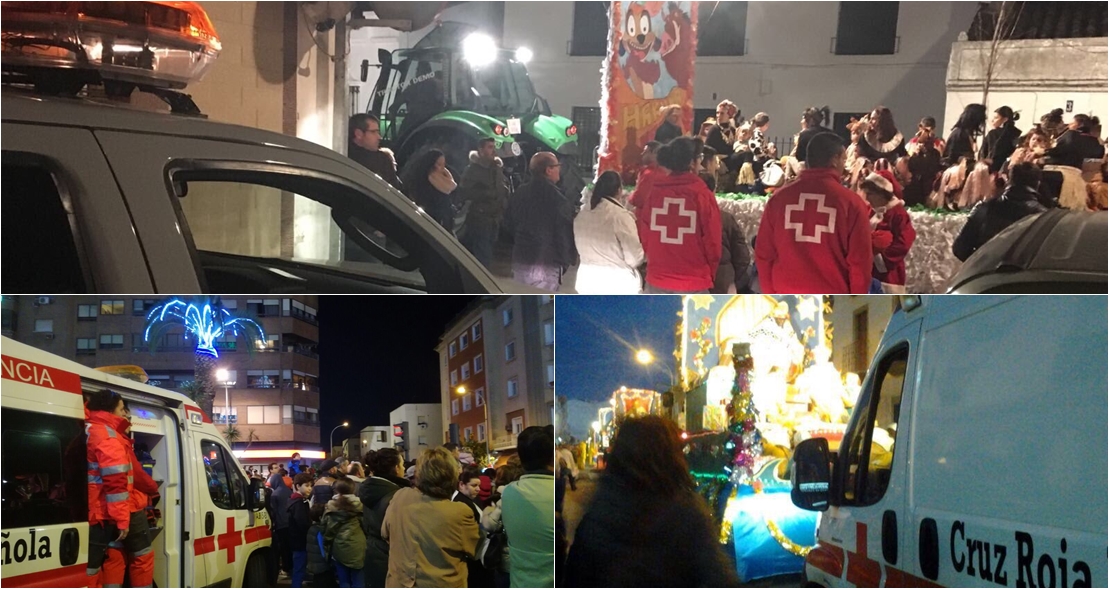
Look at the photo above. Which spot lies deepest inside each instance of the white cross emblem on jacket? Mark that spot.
(673, 220)
(807, 216)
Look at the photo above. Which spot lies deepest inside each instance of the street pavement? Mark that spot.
(577, 502)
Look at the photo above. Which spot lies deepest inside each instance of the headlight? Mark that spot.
(479, 49)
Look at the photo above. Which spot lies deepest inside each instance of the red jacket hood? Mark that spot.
(111, 420)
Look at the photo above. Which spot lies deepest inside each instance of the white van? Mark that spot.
(997, 473)
(213, 529)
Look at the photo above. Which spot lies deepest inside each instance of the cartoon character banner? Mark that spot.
(651, 53)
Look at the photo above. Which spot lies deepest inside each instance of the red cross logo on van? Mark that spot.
(227, 541)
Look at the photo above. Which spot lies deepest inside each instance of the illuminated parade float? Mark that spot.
(755, 380)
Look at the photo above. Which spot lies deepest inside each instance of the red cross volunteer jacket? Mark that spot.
(679, 226)
(814, 238)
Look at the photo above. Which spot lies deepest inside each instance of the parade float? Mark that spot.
(756, 380)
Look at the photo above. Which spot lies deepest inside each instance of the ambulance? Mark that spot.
(997, 471)
(211, 526)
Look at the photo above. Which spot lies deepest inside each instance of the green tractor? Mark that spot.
(456, 87)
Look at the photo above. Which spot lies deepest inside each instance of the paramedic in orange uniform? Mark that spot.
(117, 504)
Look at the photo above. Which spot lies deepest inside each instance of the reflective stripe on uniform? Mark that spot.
(115, 544)
(117, 497)
(144, 551)
(111, 432)
(94, 466)
(95, 479)
(91, 571)
(118, 469)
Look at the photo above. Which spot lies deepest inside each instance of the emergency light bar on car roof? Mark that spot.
(156, 44)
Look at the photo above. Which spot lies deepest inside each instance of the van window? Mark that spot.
(38, 231)
(871, 437)
(265, 232)
(44, 469)
(225, 482)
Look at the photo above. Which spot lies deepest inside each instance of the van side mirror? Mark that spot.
(256, 498)
(811, 475)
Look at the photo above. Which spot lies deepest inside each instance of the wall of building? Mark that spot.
(844, 310)
(1031, 76)
(425, 426)
(67, 327)
(789, 64)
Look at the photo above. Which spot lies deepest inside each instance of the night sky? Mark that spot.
(597, 339)
(376, 354)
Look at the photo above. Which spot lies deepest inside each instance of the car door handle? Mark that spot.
(889, 536)
(929, 546)
(69, 546)
(209, 523)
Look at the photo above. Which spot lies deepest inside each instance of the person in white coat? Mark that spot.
(608, 242)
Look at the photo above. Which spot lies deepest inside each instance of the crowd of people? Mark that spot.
(440, 522)
(837, 219)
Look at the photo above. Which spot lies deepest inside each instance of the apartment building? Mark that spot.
(497, 369)
(271, 392)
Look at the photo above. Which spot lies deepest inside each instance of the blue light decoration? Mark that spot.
(204, 322)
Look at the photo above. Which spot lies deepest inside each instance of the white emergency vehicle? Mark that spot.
(213, 530)
(115, 195)
(997, 474)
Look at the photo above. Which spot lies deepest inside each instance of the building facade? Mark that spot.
(425, 422)
(375, 437)
(495, 385)
(859, 323)
(273, 389)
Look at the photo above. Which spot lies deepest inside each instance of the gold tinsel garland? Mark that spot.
(789, 545)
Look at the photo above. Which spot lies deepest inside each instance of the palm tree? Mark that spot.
(232, 434)
(208, 322)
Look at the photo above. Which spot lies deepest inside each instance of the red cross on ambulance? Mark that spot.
(683, 222)
(810, 213)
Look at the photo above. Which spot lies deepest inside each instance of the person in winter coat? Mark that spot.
(722, 135)
(299, 522)
(810, 124)
(469, 484)
(485, 187)
(386, 478)
(279, 506)
(295, 464)
(343, 539)
(646, 493)
(893, 234)
(430, 537)
(116, 499)
(1019, 200)
(323, 574)
(496, 554)
(648, 171)
(364, 147)
(735, 257)
(323, 491)
(815, 236)
(1002, 139)
(430, 185)
(608, 243)
(671, 127)
(543, 224)
(679, 225)
(527, 506)
(925, 163)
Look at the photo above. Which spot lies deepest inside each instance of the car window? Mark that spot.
(39, 228)
(225, 481)
(871, 438)
(269, 232)
(44, 469)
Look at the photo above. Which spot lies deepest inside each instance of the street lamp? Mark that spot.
(331, 438)
(646, 358)
(223, 376)
(461, 390)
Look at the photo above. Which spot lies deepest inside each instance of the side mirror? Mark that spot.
(811, 475)
(256, 498)
(365, 75)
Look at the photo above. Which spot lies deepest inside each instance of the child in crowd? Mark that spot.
(344, 539)
(299, 523)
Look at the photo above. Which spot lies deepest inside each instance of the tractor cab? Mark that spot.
(456, 87)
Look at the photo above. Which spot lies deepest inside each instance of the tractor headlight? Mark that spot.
(524, 55)
(479, 49)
